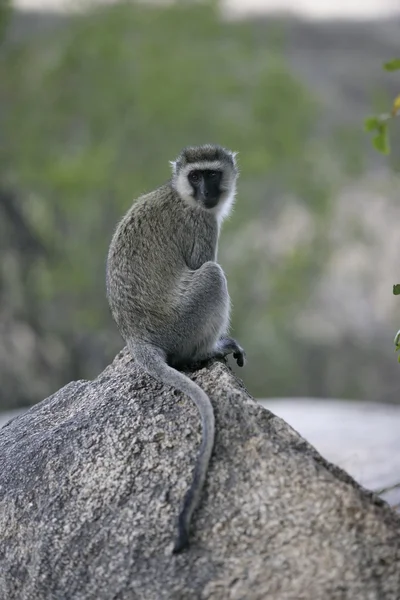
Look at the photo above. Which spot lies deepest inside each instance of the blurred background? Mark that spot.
(95, 100)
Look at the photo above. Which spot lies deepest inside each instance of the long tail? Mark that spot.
(153, 360)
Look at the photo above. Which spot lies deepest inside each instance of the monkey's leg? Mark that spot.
(202, 314)
(204, 318)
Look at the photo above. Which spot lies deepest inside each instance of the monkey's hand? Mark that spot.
(228, 345)
(240, 357)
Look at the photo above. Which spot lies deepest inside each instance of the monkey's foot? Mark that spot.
(227, 345)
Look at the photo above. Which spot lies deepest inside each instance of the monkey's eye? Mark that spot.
(212, 174)
(194, 176)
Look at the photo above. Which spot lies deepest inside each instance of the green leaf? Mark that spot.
(392, 65)
(396, 106)
(397, 340)
(381, 140)
(371, 123)
(396, 289)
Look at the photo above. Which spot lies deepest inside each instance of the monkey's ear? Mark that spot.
(234, 155)
(173, 166)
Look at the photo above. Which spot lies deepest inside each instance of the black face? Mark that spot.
(206, 186)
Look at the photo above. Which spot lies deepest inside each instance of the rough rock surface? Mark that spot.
(91, 480)
(363, 438)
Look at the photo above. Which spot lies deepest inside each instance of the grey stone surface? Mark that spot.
(361, 437)
(7, 415)
(91, 480)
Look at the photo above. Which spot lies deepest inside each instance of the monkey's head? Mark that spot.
(206, 176)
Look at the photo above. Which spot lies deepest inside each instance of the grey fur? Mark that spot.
(169, 296)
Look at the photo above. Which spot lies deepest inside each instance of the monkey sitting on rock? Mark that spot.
(166, 291)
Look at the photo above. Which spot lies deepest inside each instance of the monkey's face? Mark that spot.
(205, 177)
(206, 186)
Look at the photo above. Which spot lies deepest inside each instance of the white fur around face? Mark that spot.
(181, 184)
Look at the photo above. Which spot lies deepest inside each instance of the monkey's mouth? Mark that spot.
(210, 201)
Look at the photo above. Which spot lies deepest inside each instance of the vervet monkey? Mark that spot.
(168, 295)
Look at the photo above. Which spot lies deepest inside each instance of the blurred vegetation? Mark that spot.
(91, 114)
(5, 12)
(378, 125)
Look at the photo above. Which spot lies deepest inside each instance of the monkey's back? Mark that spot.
(151, 252)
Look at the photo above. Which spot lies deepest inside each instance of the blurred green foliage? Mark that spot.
(378, 125)
(397, 344)
(5, 12)
(392, 65)
(94, 112)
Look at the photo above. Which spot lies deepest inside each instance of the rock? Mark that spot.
(6, 416)
(361, 437)
(91, 480)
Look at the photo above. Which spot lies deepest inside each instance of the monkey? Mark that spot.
(167, 293)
